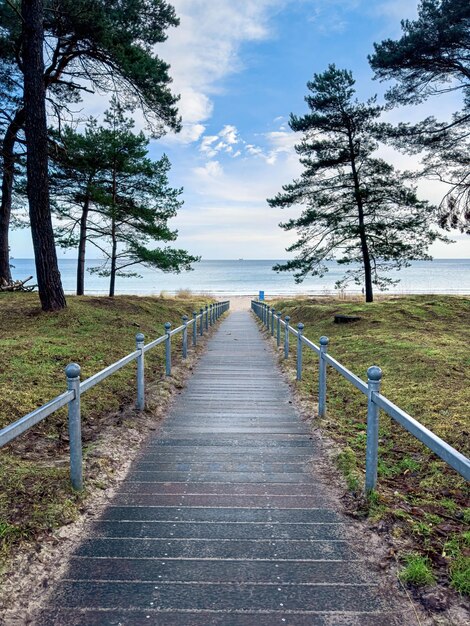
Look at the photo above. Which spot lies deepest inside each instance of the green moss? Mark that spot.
(34, 498)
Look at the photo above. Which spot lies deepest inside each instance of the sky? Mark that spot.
(241, 67)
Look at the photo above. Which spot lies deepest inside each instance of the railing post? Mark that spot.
(273, 310)
(201, 327)
(279, 328)
(211, 313)
(185, 337)
(286, 337)
(168, 349)
(324, 341)
(300, 328)
(207, 317)
(139, 344)
(194, 328)
(72, 372)
(374, 378)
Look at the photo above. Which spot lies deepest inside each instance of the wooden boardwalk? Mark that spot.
(222, 520)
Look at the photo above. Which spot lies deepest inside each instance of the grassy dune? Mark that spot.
(34, 349)
(422, 345)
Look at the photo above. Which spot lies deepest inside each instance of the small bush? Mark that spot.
(184, 293)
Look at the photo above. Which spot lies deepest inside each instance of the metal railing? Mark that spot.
(375, 400)
(75, 388)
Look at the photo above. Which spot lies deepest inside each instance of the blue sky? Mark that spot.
(241, 67)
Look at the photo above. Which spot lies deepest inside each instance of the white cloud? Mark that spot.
(224, 141)
(188, 134)
(204, 49)
(230, 134)
(278, 142)
(211, 170)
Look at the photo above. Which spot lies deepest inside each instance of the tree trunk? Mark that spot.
(112, 280)
(362, 228)
(82, 248)
(365, 257)
(51, 293)
(8, 158)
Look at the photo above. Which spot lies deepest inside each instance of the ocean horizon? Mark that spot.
(246, 277)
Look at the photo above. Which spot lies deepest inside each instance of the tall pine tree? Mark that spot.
(357, 207)
(103, 45)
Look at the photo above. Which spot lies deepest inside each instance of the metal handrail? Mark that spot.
(107, 371)
(375, 400)
(71, 397)
(12, 431)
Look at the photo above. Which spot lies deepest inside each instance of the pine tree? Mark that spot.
(432, 58)
(122, 200)
(103, 45)
(358, 208)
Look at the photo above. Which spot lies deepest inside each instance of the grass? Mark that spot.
(35, 347)
(421, 344)
(417, 570)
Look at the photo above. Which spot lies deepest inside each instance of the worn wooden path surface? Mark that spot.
(222, 519)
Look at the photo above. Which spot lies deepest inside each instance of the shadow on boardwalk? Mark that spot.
(221, 520)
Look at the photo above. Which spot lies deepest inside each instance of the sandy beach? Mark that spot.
(238, 303)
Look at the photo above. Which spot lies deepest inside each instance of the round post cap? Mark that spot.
(300, 326)
(185, 318)
(140, 337)
(287, 318)
(201, 310)
(279, 313)
(72, 370)
(324, 341)
(194, 312)
(167, 326)
(374, 373)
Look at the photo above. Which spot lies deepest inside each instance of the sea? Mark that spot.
(247, 277)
